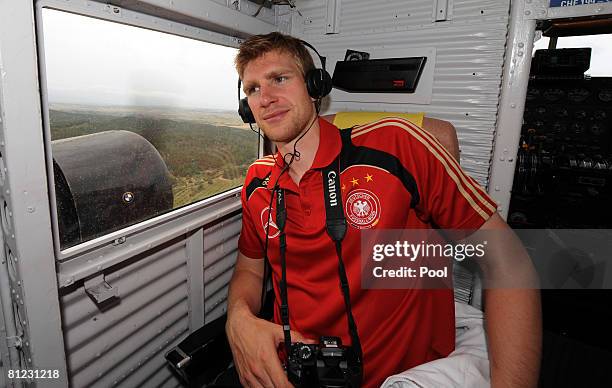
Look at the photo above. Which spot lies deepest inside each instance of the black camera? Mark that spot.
(328, 364)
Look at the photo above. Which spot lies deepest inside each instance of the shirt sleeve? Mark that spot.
(249, 242)
(449, 198)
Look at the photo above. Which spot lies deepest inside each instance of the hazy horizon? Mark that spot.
(53, 105)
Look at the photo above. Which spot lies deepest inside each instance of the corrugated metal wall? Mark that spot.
(470, 51)
(123, 344)
(220, 250)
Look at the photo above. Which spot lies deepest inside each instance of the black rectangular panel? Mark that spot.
(389, 75)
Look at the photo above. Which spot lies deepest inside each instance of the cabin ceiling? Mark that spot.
(212, 15)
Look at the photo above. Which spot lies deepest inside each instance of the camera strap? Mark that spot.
(335, 222)
(281, 220)
(336, 228)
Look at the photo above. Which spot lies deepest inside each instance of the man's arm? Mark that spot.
(445, 133)
(253, 341)
(512, 315)
(247, 277)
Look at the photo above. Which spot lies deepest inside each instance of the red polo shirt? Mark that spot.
(392, 164)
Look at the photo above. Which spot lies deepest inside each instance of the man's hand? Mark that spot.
(254, 343)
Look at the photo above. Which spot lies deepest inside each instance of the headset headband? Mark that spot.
(321, 58)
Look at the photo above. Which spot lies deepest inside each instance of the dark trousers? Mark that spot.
(227, 379)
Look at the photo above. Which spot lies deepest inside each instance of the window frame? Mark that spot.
(163, 226)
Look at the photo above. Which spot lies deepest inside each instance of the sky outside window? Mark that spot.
(96, 62)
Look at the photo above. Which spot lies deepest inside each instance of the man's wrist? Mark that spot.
(239, 311)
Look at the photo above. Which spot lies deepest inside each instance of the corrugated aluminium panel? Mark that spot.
(217, 298)
(122, 344)
(220, 251)
(154, 371)
(470, 48)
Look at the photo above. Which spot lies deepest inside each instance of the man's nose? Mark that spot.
(267, 95)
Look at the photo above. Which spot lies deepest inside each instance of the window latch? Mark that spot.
(97, 288)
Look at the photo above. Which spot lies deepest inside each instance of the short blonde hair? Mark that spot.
(258, 45)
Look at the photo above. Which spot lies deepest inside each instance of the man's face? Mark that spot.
(277, 96)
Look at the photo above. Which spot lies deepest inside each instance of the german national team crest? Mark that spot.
(362, 208)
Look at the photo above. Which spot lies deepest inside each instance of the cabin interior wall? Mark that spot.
(121, 342)
(37, 342)
(220, 252)
(469, 46)
(164, 294)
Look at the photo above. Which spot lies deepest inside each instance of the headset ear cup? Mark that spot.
(318, 83)
(327, 84)
(244, 110)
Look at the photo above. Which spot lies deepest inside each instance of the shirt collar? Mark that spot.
(330, 145)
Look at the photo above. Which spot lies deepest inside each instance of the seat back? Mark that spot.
(442, 130)
(350, 119)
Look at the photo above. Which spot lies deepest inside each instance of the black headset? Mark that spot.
(318, 84)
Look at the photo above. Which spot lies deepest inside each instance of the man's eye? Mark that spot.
(252, 90)
(280, 79)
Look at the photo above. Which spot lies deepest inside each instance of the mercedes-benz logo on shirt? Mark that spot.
(267, 221)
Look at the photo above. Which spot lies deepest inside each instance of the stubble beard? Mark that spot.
(293, 130)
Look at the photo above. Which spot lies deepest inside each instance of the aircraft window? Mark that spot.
(141, 122)
(601, 50)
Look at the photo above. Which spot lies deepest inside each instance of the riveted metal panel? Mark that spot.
(24, 212)
(227, 17)
(470, 47)
(122, 343)
(9, 354)
(220, 250)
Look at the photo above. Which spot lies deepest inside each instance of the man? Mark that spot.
(421, 186)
